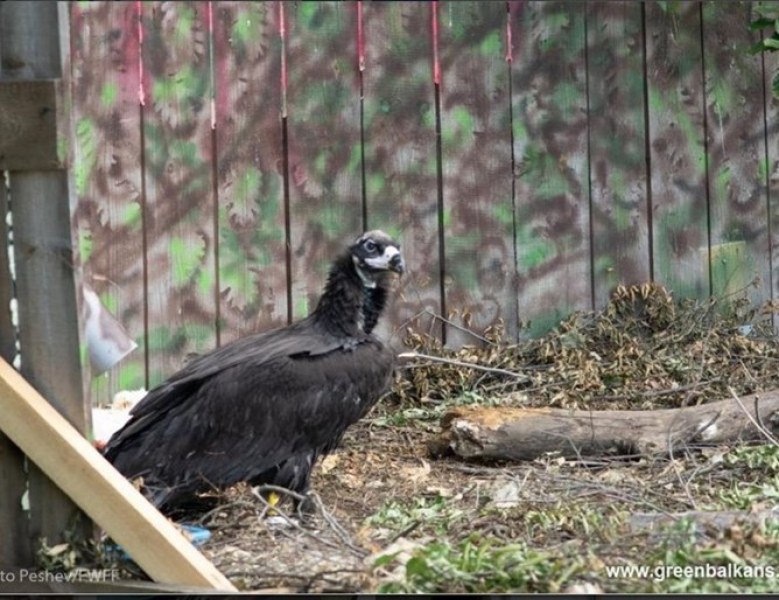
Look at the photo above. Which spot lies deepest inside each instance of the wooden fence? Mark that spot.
(529, 155)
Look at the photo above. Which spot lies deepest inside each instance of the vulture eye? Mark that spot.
(370, 246)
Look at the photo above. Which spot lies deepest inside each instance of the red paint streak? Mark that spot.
(436, 63)
(509, 40)
(283, 36)
(141, 92)
(360, 38)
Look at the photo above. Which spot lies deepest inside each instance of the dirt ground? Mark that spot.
(382, 495)
(392, 518)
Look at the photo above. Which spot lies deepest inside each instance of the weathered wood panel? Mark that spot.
(325, 150)
(480, 273)
(179, 209)
(738, 208)
(676, 147)
(566, 142)
(33, 36)
(48, 330)
(400, 152)
(107, 220)
(549, 101)
(618, 174)
(249, 155)
(771, 70)
(15, 544)
(28, 125)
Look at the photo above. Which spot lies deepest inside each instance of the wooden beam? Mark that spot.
(34, 43)
(15, 544)
(99, 489)
(28, 125)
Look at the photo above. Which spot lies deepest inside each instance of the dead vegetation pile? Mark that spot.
(644, 350)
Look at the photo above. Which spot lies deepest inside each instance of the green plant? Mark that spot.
(478, 565)
(764, 457)
(436, 513)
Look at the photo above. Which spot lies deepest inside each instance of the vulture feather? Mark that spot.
(262, 409)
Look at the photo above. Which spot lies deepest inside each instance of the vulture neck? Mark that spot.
(347, 306)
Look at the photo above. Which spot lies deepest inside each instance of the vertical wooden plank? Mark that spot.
(549, 101)
(177, 169)
(15, 542)
(107, 218)
(400, 152)
(325, 151)
(736, 153)
(676, 146)
(48, 330)
(477, 176)
(252, 268)
(31, 35)
(618, 176)
(771, 70)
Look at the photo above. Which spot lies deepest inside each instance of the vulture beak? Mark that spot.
(397, 264)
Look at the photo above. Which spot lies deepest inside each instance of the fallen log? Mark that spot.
(509, 433)
(722, 520)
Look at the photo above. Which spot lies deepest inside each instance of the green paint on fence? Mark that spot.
(110, 300)
(301, 305)
(250, 25)
(492, 44)
(374, 184)
(87, 154)
(185, 259)
(85, 244)
(722, 181)
(131, 215)
(504, 212)
(131, 374)
(108, 94)
(185, 23)
(247, 187)
(566, 97)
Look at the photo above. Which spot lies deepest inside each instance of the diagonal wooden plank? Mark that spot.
(84, 475)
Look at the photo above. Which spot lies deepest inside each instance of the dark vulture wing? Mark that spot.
(234, 413)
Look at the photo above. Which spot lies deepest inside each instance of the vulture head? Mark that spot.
(375, 253)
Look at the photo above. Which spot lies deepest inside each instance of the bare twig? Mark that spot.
(340, 532)
(768, 435)
(459, 363)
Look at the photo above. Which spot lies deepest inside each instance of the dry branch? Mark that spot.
(503, 433)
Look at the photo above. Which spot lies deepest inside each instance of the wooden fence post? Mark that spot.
(32, 36)
(15, 543)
